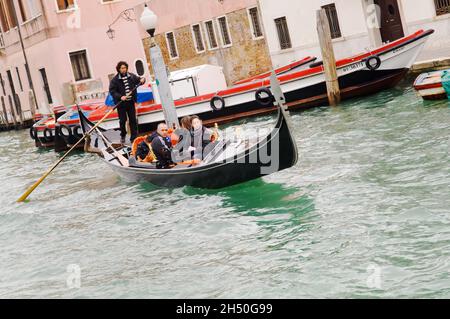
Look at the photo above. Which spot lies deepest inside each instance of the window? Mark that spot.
(80, 65)
(198, 38)
(4, 111)
(11, 82)
(46, 86)
(224, 32)
(27, 71)
(20, 80)
(172, 45)
(11, 108)
(3, 84)
(255, 23)
(34, 8)
(4, 21)
(22, 12)
(139, 65)
(65, 4)
(332, 16)
(211, 33)
(442, 7)
(283, 33)
(9, 9)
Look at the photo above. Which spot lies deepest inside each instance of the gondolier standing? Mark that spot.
(120, 87)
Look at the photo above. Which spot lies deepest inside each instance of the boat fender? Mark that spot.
(217, 103)
(76, 132)
(315, 64)
(48, 134)
(264, 97)
(33, 133)
(65, 128)
(373, 62)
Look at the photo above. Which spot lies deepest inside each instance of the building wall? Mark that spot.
(176, 13)
(245, 57)
(422, 15)
(355, 25)
(49, 46)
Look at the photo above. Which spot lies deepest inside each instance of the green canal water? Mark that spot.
(365, 213)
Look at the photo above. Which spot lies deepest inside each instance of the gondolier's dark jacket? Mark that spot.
(117, 88)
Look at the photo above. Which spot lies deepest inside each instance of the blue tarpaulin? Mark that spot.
(143, 95)
(446, 82)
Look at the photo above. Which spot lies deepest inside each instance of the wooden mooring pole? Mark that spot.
(329, 60)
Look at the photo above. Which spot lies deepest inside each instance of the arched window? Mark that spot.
(139, 65)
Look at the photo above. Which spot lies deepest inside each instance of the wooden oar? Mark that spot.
(40, 180)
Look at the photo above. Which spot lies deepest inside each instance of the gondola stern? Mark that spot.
(284, 124)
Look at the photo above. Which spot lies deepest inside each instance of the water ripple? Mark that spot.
(370, 193)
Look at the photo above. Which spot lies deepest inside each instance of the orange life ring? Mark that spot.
(150, 157)
(136, 143)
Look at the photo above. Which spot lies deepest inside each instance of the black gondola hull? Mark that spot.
(275, 153)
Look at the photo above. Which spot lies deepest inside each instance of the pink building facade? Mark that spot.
(70, 55)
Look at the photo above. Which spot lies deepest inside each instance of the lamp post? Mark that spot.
(149, 21)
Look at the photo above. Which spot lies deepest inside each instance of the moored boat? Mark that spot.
(432, 85)
(359, 75)
(68, 130)
(294, 66)
(43, 131)
(68, 135)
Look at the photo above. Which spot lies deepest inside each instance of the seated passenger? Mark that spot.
(162, 146)
(185, 126)
(200, 137)
(144, 152)
(186, 123)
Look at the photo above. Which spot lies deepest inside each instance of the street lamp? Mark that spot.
(149, 21)
(111, 33)
(127, 15)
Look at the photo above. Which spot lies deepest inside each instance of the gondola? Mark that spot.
(229, 162)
